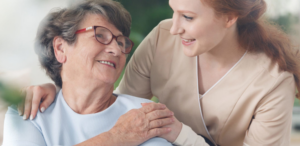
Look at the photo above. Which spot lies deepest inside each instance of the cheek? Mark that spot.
(82, 58)
(122, 62)
(206, 33)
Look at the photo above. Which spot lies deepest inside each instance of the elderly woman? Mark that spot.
(83, 50)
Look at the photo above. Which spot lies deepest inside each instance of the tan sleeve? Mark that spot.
(271, 124)
(187, 137)
(136, 80)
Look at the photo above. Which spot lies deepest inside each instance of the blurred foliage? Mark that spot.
(146, 14)
(10, 95)
(286, 22)
(297, 102)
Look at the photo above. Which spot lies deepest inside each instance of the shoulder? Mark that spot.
(268, 65)
(270, 76)
(20, 132)
(166, 24)
(12, 110)
(162, 29)
(55, 109)
(131, 101)
(262, 65)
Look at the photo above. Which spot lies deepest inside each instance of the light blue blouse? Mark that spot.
(59, 125)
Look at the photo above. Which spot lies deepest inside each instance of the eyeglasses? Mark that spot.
(105, 37)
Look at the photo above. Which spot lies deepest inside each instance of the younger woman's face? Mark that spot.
(197, 25)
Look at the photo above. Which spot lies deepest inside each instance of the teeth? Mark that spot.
(108, 63)
(188, 40)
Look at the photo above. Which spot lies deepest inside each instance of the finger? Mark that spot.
(36, 100)
(158, 132)
(28, 102)
(144, 104)
(47, 101)
(158, 114)
(152, 107)
(21, 108)
(21, 104)
(161, 122)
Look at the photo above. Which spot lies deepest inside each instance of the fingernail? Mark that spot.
(172, 120)
(171, 113)
(24, 117)
(143, 103)
(31, 117)
(42, 109)
(20, 113)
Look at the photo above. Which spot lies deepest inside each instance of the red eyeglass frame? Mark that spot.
(113, 36)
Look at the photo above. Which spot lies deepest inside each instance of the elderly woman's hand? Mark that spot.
(37, 96)
(139, 125)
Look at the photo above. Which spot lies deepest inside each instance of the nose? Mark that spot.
(176, 26)
(113, 48)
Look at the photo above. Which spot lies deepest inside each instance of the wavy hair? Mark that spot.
(65, 22)
(259, 35)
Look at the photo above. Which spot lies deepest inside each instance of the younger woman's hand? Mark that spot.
(37, 97)
(175, 126)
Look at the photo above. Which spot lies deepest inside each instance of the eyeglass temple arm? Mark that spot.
(84, 29)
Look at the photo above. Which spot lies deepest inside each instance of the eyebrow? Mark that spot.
(182, 11)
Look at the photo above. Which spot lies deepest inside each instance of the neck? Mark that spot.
(225, 54)
(87, 97)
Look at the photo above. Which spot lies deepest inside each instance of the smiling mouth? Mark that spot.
(108, 63)
(188, 41)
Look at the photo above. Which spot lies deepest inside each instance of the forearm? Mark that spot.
(188, 137)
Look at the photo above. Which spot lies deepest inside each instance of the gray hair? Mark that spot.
(65, 22)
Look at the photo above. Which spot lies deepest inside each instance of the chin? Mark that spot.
(189, 52)
(107, 80)
(110, 81)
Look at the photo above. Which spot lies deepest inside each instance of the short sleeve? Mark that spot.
(271, 123)
(136, 80)
(18, 132)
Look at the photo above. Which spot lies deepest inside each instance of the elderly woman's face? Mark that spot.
(90, 61)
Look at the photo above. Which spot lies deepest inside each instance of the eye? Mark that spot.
(99, 35)
(187, 18)
(121, 44)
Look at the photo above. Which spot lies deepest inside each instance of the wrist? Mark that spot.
(177, 132)
(113, 137)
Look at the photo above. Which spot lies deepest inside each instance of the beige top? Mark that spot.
(251, 105)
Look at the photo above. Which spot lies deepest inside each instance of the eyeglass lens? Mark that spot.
(104, 36)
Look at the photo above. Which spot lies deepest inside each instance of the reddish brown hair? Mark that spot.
(258, 35)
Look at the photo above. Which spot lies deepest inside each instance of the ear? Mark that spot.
(231, 19)
(59, 45)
